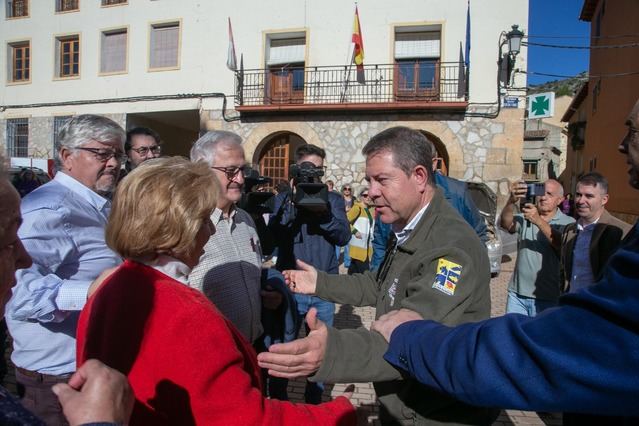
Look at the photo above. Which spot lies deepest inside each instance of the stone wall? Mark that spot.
(41, 134)
(479, 149)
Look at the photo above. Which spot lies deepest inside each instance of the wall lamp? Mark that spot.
(513, 39)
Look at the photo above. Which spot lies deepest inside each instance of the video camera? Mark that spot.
(256, 202)
(310, 193)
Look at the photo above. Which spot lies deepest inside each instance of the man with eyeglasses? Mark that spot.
(229, 272)
(63, 230)
(141, 144)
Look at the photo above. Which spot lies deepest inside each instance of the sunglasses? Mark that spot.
(346, 189)
(365, 194)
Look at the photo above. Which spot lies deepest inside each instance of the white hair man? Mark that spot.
(63, 231)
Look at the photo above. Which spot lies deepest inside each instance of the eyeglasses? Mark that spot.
(105, 154)
(231, 172)
(365, 195)
(144, 150)
(346, 189)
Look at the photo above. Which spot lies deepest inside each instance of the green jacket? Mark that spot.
(412, 276)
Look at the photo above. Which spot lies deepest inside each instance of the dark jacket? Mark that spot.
(381, 231)
(581, 356)
(440, 271)
(456, 192)
(310, 237)
(606, 238)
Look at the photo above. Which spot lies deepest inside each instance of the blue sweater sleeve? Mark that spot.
(581, 356)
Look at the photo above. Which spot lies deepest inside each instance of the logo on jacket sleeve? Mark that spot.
(447, 276)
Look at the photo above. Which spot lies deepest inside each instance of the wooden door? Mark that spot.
(274, 159)
(417, 80)
(286, 85)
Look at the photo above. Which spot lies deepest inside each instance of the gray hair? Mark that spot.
(410, 148)
(82, 129)
(560, 188)
(206, 146)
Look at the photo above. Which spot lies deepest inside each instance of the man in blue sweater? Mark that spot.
(581, 356)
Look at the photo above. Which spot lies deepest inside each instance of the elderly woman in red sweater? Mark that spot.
(187, 364)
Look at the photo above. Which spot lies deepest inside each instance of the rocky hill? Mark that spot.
(567, 86)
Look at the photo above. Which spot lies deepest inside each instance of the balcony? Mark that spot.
(405, 86)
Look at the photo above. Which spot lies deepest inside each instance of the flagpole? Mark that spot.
(347, 73)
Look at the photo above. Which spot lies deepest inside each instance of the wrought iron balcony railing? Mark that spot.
(415, 82)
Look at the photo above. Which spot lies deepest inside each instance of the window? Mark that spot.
(113, 2)
(66, 5)
(68, 56)
(113, 51)
(417, 61)
(58, 122)
(18, 137)
(20, 62)
(530, 170)
(17, 8)
(595, 95)
(165, 45)
(285, 58)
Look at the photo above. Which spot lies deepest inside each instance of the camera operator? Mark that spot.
(307, 224)
(534, 285)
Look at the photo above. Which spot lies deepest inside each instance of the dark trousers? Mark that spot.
(357, 266)
(37, 396)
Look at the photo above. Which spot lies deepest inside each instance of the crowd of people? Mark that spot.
(144, 298)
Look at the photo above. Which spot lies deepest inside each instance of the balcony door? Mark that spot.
(285, 59)
(417, 63)
(417, 79)
(286, 84)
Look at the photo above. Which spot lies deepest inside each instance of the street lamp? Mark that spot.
(513, 39)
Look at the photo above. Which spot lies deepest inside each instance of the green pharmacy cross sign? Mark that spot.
(541, 105)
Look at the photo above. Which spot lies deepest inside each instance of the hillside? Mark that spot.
(567, 86)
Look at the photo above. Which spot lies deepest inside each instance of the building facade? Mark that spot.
(598, 113)
(440, 66)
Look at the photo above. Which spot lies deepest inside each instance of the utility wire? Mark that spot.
(558, 46)
(621, 74)
(584, 37)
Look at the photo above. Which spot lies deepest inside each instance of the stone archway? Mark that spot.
(275, 153)
(442, 152)
(260, 133)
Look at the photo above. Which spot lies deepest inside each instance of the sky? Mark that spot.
(557, 18)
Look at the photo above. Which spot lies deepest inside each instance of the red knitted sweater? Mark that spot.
(186, 363)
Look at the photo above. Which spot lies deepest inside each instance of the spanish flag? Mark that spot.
(358, 50)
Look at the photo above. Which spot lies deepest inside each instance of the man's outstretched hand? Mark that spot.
(301, 357)
(301, 280)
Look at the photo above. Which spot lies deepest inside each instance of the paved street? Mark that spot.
(364, 396)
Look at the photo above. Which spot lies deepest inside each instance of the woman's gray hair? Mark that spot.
(84, 128)
(206, 146)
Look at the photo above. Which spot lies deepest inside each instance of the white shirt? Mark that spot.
(403, 235)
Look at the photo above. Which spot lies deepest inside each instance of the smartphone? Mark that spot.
(534, 190)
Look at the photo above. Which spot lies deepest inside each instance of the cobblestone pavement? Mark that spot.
(364, 396)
